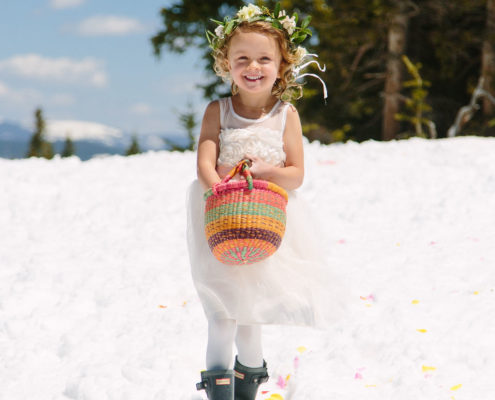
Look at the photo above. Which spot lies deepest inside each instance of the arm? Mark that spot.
(292, 174)
(208, 146)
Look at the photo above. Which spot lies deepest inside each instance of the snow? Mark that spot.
(96, 300)
(79, 130)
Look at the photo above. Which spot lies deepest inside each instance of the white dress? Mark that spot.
(290, 287)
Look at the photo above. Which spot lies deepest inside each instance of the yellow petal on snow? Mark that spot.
(301, 349)
(476, 292)
(287, 378)
(426, 368)
(368, 386)
(456, 387)
(415, 302)
(275, 396)
(422, 330)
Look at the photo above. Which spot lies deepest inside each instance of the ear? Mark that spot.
(226, 64)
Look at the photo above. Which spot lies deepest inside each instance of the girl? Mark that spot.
(256, 51)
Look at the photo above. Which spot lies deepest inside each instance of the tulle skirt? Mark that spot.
(294, 286)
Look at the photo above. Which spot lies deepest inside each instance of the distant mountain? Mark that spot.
(90, 139)
(82, 130)
(13, 140)
(10, 131)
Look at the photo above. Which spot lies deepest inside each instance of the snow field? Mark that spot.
(96, 301)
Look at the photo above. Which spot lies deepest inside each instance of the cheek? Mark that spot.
(276, 70)
(238, 68)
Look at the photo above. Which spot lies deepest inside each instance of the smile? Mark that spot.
(253, 77)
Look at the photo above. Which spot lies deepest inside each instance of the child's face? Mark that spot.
(254, 61)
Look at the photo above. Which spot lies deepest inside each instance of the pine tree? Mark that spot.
(134, 147)
(69, 149)
(38, 146)
(188, 121)
(415, 104)
(397, 41)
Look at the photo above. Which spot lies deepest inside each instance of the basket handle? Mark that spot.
(241, 168)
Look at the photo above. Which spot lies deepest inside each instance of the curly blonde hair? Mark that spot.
(285, 87)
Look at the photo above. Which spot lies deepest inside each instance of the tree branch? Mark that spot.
(465, 113)
(359, 55)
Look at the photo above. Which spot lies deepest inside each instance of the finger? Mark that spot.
(250, 158)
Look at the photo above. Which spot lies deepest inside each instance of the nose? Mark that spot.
(253, 65)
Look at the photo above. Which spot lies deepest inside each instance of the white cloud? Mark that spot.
(59, 4)
(4, 90)
(19, 96)
(109, 25)
(62, 69)
(141, 109)
(27, 96)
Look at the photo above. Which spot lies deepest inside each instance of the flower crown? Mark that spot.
(279, 20)
(251, 13)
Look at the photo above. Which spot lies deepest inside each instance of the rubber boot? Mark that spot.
(247, 380)
(219, 384)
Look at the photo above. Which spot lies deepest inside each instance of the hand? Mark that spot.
(259, 168)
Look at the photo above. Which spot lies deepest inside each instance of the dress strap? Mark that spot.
(223, 108)
(284, 116)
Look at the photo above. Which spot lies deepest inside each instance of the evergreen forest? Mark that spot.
(394, 68)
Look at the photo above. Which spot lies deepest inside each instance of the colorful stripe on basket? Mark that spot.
(245, 208)
(261, 222)
(235, 252)
(245, 234)
(242, 184)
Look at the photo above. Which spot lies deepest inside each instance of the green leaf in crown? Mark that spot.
(250, 13)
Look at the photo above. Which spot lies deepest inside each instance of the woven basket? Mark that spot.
(244, 219)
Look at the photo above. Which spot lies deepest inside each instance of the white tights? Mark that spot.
(221, 336)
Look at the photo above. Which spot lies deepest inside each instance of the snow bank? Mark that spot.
(96, 301)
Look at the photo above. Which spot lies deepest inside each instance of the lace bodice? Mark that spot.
(261, 137)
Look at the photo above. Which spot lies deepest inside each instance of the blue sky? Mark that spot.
(92, 60)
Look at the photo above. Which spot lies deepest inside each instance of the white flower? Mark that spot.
(248, 12)
(219, 31)
(300, 53)
(281, 14)
(289, 24)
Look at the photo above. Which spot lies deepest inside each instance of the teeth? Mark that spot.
(253, 78)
